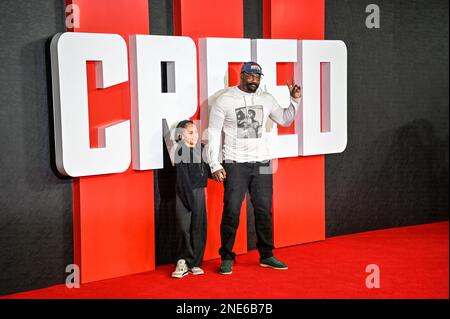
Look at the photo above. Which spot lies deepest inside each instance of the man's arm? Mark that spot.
(285, 116)
(216, 119)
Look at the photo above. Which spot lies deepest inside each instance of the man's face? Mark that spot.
(250, 81)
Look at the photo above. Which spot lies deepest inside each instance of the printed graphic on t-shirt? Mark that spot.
(249, 121)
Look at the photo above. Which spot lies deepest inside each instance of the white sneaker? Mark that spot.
(196, 271)
(181, 269)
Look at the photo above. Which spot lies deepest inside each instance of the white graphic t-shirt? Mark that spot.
(243, 118)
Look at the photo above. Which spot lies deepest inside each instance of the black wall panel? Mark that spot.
(35, 203)
(161, 17)
(394, 171)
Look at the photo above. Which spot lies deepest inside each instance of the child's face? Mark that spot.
(190, 135)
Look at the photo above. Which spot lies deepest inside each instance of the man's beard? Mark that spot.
(252, 87)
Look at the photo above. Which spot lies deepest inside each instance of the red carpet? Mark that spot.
(413, 263)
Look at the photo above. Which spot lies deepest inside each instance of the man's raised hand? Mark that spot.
(294, 89)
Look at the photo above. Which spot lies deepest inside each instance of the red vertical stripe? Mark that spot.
(113, 214)
(299, 183)
(200, 19)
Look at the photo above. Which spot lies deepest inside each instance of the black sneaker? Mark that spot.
(226, 267)
(272, 262)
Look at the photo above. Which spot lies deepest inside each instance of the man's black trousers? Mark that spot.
(257, 179)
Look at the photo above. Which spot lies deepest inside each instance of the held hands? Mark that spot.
(219, 175)
(294, 89)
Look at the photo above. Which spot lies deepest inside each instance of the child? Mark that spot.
(192, 178)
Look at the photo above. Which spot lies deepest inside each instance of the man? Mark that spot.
(247, 164)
